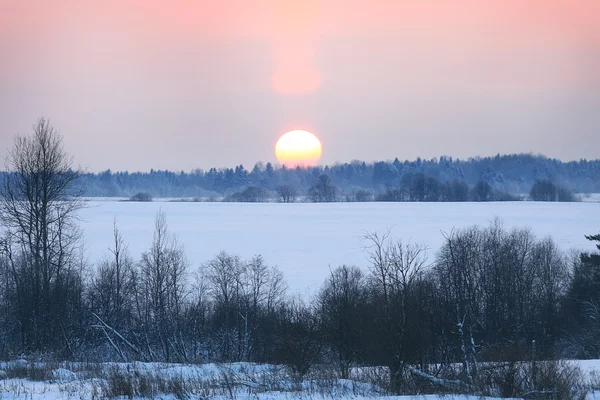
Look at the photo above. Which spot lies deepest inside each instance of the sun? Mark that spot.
(298, 148)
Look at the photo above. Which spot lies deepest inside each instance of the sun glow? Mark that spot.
(298, 148)
(295, 32)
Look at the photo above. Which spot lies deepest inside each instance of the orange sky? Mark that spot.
(185, 84)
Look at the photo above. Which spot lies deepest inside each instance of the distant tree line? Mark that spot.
(514, 174)
(490, 294)
(422, 188)
(412, 188)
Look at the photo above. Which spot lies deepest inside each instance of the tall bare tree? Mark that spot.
(342, 300)
(163, 273)
(397, 276)
(39, 199)
(112, 289)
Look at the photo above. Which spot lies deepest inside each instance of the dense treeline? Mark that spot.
(513, 174)
(489, 294)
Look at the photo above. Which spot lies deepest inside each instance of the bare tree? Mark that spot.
(264, 286)
(287, 193)
(224, 275)
(39, 199)
(342, 301)
(323, 190)
(112, 290)
(163, 275)
(244, 295)
(459, 275)
(7, 325)
(299, 338)
(397, 273)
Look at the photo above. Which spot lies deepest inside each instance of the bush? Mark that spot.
(546, 190)
(141, 196)
(287, 193)
(565, 195)
(455, 191)
(505, 196)
(362, 195)
(21, 369)
(323, 191)
(391, 194)
(132, 383)
(540, 380)
(252, 194)
(543, 190)
(482, 192)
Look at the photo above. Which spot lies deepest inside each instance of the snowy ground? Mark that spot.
(304, 240)
(210, 381)
(590, 197)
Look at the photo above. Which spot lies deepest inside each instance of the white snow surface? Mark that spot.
(43, 391)
(590, 197)
(245, 380)
(305, 240)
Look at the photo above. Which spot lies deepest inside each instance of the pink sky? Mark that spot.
(140, 84)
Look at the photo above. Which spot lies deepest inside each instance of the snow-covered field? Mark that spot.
(304, 240)
(590, 197)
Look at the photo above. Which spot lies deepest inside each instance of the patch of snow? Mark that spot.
(63, 375)
(589, 197)
(21, 363)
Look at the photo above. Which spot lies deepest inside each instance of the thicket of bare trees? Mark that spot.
(489, 294)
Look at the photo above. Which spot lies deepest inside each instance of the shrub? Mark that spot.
(565, 195)
(482, 192)
(21, 369)
(505, 196)
(141, 196)
(546, 190)
(252, 194)
(538, 380)
(362, 195)
(287, 193)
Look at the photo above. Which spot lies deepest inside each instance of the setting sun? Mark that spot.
(298, 148)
